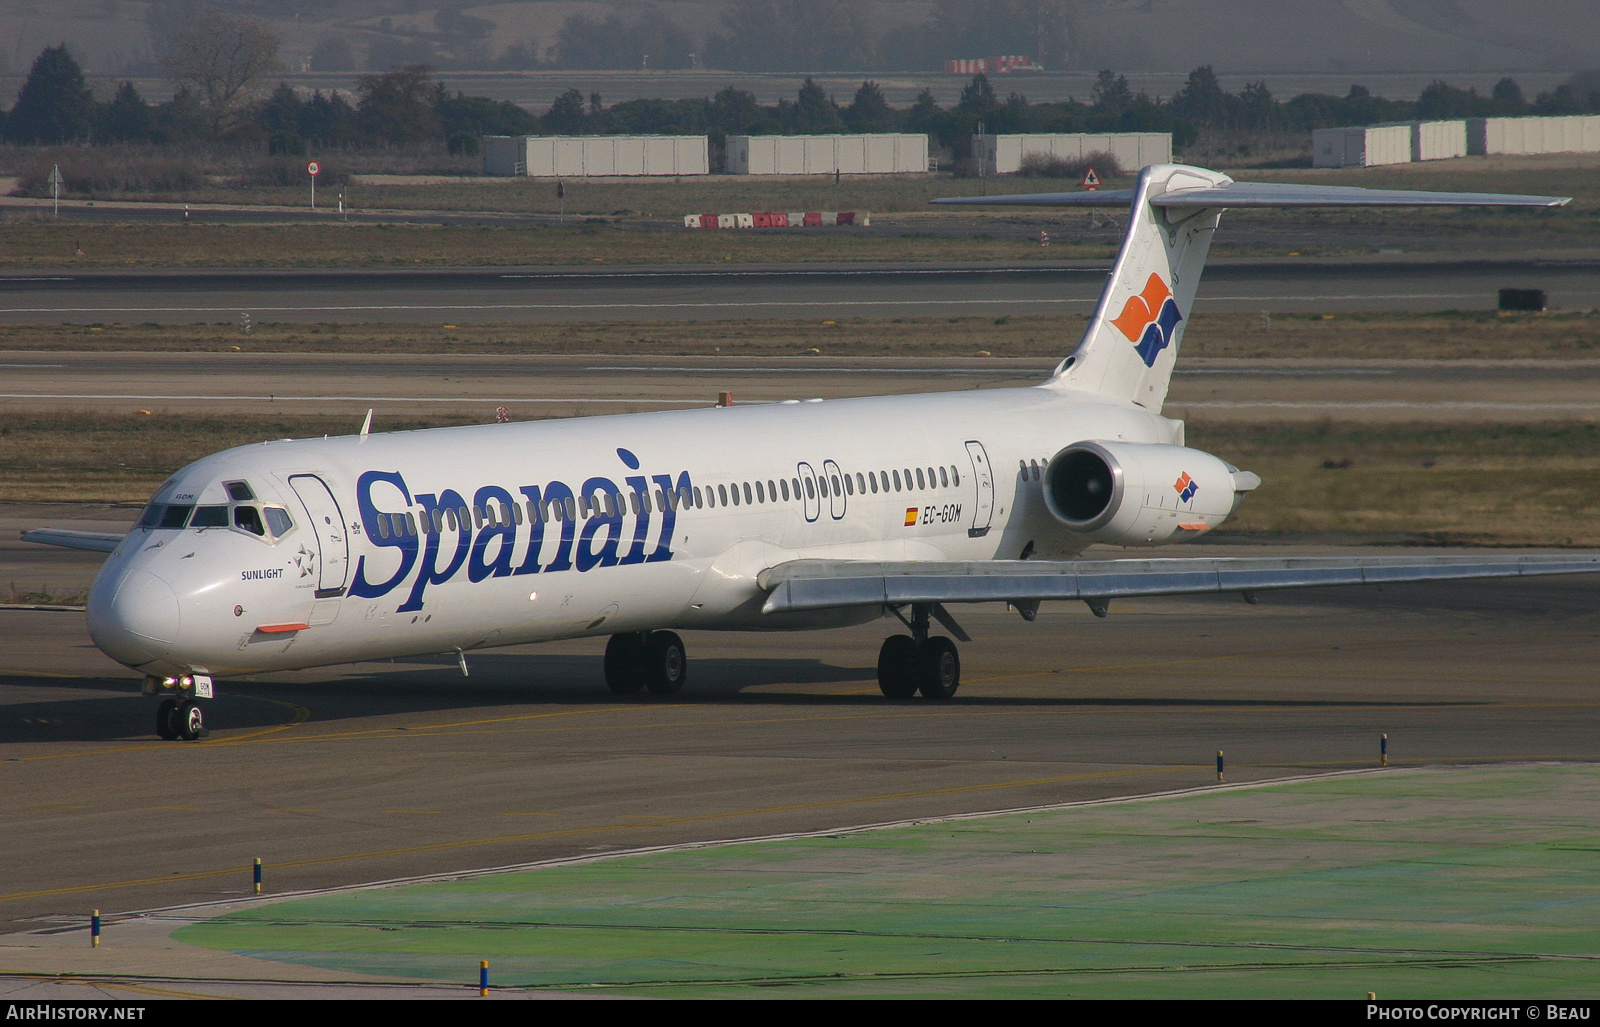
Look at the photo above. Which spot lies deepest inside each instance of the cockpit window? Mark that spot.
(248, 518)
(152, 515)
(176, 516)
(278, 520)
(239, 491)
(210, 517)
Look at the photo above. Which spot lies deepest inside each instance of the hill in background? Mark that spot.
(1237, 37)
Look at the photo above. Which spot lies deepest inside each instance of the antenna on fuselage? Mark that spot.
(366, 426)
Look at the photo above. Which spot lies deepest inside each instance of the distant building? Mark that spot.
(985, 65)
(1360, 147)
(1578, 133)
(590, 156)
(1003, 154)
(1438, 140)
(873, 154)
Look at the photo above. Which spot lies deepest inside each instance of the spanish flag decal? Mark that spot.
(911, 516)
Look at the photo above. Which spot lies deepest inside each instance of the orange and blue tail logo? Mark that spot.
(1185, 487)
(1148, 320)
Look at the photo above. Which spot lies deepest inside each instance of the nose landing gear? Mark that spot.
(180, 717)
(919, 662)
(653, 660)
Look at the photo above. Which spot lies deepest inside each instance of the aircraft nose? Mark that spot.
(133, 618)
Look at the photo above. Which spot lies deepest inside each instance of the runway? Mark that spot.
(565, 385)
(375, 771)
(692, 294)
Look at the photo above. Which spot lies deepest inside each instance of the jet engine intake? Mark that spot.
(1142, 494)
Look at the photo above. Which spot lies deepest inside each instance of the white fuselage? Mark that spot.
(362, 572)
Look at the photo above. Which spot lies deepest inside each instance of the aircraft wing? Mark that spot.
(820, 584)
(98, 541)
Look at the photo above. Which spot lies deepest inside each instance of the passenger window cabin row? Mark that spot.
(823, 486)
(1032, 470)
(618, 504)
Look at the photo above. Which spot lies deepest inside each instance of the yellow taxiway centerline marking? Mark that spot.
(93, 982)
(302, 714)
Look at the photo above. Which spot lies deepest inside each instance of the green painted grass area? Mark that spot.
(1413, 884)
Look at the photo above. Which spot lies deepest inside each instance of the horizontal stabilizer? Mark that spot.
(1131, 342)
(97, 541)
(824, 584)
(1268, 194)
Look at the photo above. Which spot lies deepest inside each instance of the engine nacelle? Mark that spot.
(1142, 494)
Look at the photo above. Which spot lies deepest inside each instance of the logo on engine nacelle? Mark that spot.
(1185, 487)
(1149, 319)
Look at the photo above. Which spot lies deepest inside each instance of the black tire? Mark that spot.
(191, 722)
(625, 663)
(167, 720)
(938, 668)
(666, 664)
(895, 661)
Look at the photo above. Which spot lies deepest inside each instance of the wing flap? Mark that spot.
(822, 584)
(96, 541)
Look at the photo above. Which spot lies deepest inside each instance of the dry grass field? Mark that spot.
(1530, 484)
(1512, 485)
(638, 221)
(670, 198)
(666, 198)
(1448, 335)
(38, 243)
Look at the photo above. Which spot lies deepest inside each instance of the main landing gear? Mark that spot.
(919, 662)
(653, 660)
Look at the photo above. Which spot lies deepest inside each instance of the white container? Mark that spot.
(1327, 147)
(590, 156)
(505, 155)
(1577, 133)
(1360, 147)
(1438, 140)
(1003, 154)
(876, 154)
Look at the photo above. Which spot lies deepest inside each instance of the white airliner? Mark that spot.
(783, 516)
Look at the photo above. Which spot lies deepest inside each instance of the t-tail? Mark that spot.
(1132, 341)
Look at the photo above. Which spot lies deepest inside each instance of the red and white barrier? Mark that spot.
(771, 219)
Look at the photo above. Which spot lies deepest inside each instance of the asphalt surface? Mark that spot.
(561, 385)
(695, 294)
(380, 770)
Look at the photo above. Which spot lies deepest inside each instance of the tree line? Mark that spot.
(408, 107)
(750, 35)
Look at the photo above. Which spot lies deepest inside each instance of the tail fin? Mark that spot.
(1129, 349)
(1132, 341)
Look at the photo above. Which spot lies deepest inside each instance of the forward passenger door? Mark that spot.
(810, 500)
